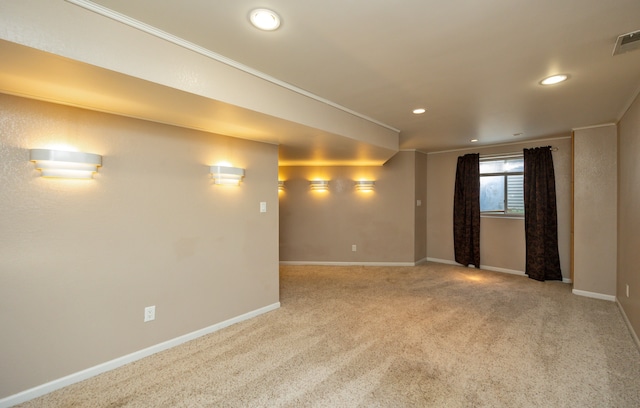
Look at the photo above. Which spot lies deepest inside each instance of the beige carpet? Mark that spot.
(427, 336)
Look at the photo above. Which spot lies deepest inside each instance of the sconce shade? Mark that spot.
(227, 175)
(280, 185)
(58, 163)
(319, 185)
(365, 185)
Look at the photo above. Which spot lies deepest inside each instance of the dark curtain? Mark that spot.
(540, 215)
(466, 211)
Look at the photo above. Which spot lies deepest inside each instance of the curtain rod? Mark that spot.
(552, 148)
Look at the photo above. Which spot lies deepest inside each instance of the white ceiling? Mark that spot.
(475, 65)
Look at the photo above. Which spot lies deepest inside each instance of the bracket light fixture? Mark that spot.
(365, 185)
(319, 185)
(231, 176)
(63, 164)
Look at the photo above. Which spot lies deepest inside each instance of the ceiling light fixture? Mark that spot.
(473, 140)
(264, 19)
(419, 111)
(554, 79)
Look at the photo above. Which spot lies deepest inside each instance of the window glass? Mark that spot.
(501, 185)
(491, 193)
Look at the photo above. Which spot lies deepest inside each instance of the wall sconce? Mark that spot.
(319, 185)
(365, 185)
(280, 185)
(58, 163)
(227, 175)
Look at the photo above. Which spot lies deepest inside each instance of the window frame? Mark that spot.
(505, 174)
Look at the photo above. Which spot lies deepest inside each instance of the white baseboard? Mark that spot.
(442, 261)
(594, 295)
(421, 261)
(129, 358)
(634, 335)
(488, 268)
(326, 263)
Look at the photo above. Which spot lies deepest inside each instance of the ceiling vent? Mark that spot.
(627, 42)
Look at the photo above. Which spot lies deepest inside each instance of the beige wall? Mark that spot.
(322, 227)
(80, 259)
(420, 217)
(595, 209)
(502, 244)
(629, 215)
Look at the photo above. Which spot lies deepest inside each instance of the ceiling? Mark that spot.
(475, 66)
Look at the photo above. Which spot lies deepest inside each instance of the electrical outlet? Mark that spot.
(627, 290)
(149, 313)
(418, 203)
(354, 248)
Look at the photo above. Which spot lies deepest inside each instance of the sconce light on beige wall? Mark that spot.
(63, 164)
(319, 185)
(365, 185)
(227, 175)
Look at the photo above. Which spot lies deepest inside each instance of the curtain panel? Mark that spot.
(540, 215)
(466, 211)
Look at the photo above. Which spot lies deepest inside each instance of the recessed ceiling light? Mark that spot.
(474, 140)
(264, 19)
(554, 79)
(419, 111)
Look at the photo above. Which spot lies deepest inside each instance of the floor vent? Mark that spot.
(627, 42)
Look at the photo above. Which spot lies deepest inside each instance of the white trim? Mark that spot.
(442, 261)
(129, 358)
(489, 268)
(146, 28)
(593, 126)
(628, 322)
(502, 270)
(594, 295)
(413, 150)
(421, 261)
(489, 146)
(327, 263)
(502, 217)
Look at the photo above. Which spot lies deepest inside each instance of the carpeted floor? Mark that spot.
(427, 336)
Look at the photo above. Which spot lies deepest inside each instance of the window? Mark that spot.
(501, 185)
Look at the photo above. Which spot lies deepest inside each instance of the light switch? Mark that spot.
(263, 206)
(419, 203)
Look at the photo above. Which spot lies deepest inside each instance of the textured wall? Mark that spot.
(322, 227)
(595, 209)
(628, 214)
(502, 243)
(80, 259)
(420, 220)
